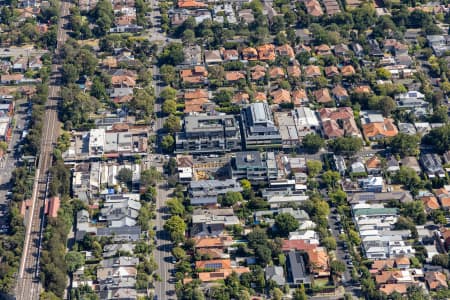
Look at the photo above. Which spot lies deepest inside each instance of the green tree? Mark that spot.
(337, 267)
(314, 167)
(405, 144)
(169, 107)
(346, 145)
(167, 143)
(176, 228)
(312, 143)
(168, 94)
(150, 177)
(440, 260)
(168, 74)
(300, 293)
(331, 178)
(74, 260)
(125, 176)
(175, 206)
(329, 243)
(178, 253)
(439, 138)
(230, 198)
(285, 223)
(277, 294)
(409, 178)
(172, 54)
(263, 254)
(188, 36)
(172, 124)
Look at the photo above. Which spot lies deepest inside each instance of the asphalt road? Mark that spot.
(8, 162)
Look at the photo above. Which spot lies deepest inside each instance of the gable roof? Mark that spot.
(430, 202)
(386, 129)
(322, 96)
(281, 96)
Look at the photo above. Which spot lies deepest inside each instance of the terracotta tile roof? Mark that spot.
(430, 202)
(436, 280)
(383, 264)
(11, 77)
(110, 62)
(373, 163)
(234, 75)
(285, 50)
(54, 206)
(363, 89)
(221, 274)
(299, 96)
(385, 129)
(331, 129)
(276, 72)
(214, 264)
(402, 260)
(191, 4)
(230, 54)
(198, 93)
(339, 91)
(312, 71)
(340, 113)
(212, 253)
(294, 71)
(331, 71)
(322, 96)
(196, 75)
(213, 242)
(258, 72)
(323, 49)
(348, 70)
(394, 287)
(123, 80)
(260, 97)
(390, 276)
(445, 201)
(249, 53)
(319, 261)
(266, 52)
(281, 96)
(313, 7)
(195, 105)
(241, 98)
(299, 245)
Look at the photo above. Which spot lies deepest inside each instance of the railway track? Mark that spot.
(28, 285)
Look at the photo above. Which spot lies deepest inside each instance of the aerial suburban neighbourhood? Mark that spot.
(199, 149)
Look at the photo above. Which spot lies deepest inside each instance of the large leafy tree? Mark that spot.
(285, 223)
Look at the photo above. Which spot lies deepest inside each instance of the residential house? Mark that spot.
(276, 73)
(234, 76)
(376, 127)
(285, 50)
(444, 197)
(281, 96)
(313, 8)
(294, 71)
(436, 280)
(120, 210)
(412, 163)
(296, 269)
(374, 166)
(432, 165)
(205, 192)
(403, 197)
(212, 222)
(407, 128)
(323, 49)
(230, 54)
(337, 122)
(430, 203)
(249, 53)
(348, 70)
(266, 52)
(411, 100)
(331, 71)
(323, 96)
(212, 57)
(339, 93)
(197, 75)
(276, 274)
(312, 71)
(258, 72)
(392, 165)
(299, 97)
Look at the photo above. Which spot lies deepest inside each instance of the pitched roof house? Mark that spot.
(281, 96)
(322, 96)
(266, 52)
